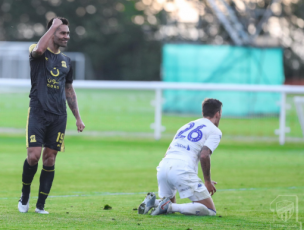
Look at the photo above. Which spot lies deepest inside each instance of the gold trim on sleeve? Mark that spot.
(32, 47)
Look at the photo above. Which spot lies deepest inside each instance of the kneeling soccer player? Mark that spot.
(178, 170)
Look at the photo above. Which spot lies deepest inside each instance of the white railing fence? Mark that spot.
(14, 61)
(299, 103)
(158, 87)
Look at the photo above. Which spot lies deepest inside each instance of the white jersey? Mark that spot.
(190, 139)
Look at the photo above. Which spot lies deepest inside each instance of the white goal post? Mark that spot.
(299, 103)
(158, 87)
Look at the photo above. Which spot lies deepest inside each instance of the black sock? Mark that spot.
(27, 178)
(46, 180)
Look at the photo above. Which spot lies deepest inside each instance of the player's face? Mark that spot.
(62, 36)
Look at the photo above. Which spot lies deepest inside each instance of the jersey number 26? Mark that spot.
(195, 135)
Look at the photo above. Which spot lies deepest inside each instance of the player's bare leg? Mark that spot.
(208, 203)
(29, 170)
(33, 155)
(49, 156)
(173, 200)
(46, 178)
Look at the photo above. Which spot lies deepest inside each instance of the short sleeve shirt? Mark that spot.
(49, 74)
(190, 139)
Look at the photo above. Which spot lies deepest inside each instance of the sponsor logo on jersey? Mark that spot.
(64, 64)
(33, 138)
(53, 81)
(53, 86)
(185, 189)
(182, 146)
(180, 137)
(56, 74)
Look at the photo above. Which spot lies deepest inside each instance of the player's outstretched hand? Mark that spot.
(211, 187)
(56, 22)
(80, 125)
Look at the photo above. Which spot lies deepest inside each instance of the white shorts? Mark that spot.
(175, 175)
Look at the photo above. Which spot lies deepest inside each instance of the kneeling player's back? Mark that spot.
(190, 138)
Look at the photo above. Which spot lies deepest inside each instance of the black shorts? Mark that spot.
(45, 129)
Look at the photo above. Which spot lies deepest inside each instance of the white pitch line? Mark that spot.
(143, 193)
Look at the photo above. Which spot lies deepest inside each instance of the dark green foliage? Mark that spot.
(117, 47)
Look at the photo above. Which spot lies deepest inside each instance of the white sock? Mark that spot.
(157, 202)
(192, 209)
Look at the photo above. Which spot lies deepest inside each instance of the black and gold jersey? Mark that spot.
(49, 74)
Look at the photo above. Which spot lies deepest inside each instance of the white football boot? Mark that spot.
(24, 208)
(147, 204)
(164, 207)
(41, 211)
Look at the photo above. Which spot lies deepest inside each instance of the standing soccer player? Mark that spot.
(51, 80)
(194, 142)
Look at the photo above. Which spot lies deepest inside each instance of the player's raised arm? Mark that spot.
(205, 164)
(72, 102)
(42, 45)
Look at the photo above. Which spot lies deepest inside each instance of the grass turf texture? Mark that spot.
(131, 111)
(93, 171)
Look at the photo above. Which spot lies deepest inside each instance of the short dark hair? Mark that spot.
(211, 106)
(64, 22)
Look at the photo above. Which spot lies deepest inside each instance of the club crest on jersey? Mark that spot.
(55, 74)
(64, 64)
(33, 138)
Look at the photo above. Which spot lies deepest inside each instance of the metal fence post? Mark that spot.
(282, 119)
(158, 114)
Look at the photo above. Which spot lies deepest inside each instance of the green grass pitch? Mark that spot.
(118, 171)
(131, 111)
(97, 171)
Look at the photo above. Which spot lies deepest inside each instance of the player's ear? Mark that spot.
(218, 114)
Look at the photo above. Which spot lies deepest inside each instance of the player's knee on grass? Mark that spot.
(203, 198)
(194, 209)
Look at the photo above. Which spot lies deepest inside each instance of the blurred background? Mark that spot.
(256, 42)
(122, 40)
